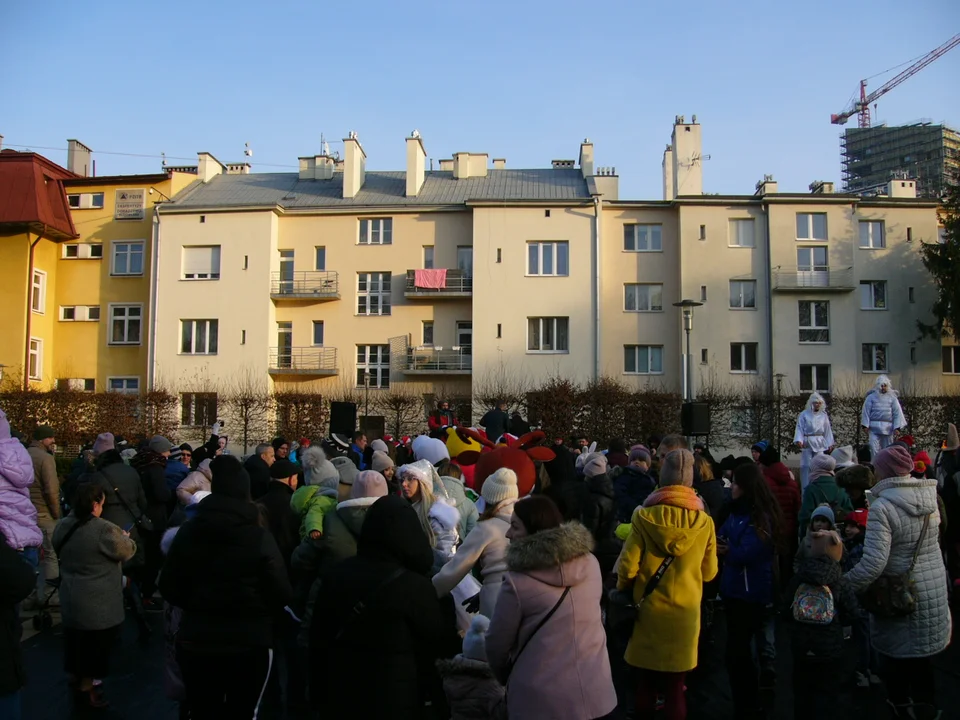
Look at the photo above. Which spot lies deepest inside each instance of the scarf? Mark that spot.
(676, 495)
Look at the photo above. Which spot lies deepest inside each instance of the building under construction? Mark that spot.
(872, 156)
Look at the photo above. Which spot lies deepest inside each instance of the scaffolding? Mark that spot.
(872, 157)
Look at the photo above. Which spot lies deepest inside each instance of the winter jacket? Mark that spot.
(853, 552)
(617, 459)
(893, 530)
(18, 516)
(601, 520)
(45, 491)
(227, 575)
(311, 503)
(381, 602)
(484, 549)
(714, 496)
(786, 491)
(820, 642)
(90, 575)
(259, 473)
(563, 672)
(440, 419)
(443, 521)
(882, 413)
(518, 426)
(16, 583)
(114, 477)
(150, 466)
(472, 691)
(282, 521)
(824, 490)
(453, 490)
(748, 565)
(495, 423)
(174, 473)
(630, 488)
(193, 483)
(563, 466)
(665, 634)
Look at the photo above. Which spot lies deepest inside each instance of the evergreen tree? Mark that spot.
(942, 260)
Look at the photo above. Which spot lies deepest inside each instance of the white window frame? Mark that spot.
(313, 337)
(554, 323)
(429, 257)
(638, 351)
(111, 308)
(813, 327)
(734, 235)
(649, 290)
(379, 227)
(873, 295)
(741, 295)
(85, 201)
(213, 274)
(81, 313)
(809, 237)
(194, 326)
(873, 354)
(38, 286)
(812, 265)
(872, 242)
(383, 294)
(85, 251)
(743, 358)
(952, 352)
(555, 246)
(378, 367)
(643, 237)
(130, 244)
(131, 384)
(35, 359)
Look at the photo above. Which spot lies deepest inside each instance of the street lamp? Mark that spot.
(687, 307)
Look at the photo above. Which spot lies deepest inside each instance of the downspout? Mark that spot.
(154, 295)
(598, 204)
(766, 212)
(26, 348)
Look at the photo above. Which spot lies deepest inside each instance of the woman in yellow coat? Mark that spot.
(671, 523)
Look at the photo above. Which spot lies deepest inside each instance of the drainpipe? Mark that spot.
(26, 348)
(154, 295)
(766, 212)
(598, 204)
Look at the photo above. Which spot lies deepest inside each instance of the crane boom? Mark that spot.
(861, 107)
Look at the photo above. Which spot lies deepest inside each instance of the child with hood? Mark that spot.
(319, 495)
(472, 690)
(821, 535)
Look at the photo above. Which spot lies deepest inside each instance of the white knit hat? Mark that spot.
(500, 486)
(475, 641)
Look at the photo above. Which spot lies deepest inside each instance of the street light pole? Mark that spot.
(687, 307)
(366, 400)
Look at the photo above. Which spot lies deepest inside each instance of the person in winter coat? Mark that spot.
(258, 468)
(176, 470)
(882, 415)
(485, 547)
(551, 571)
(18, 516)
(617, 453)
(283, 521)
(442, 417)
(382, 602)
(518, 426)
(786, 492)
(448, 483)
(822, 521)
(45, 494)
(438, 519)
(151, 463)
(227, 575)
(708, 486)
(747, 542)
(495, 422)
(319, 496)
(632, 485)
(671, 523)
(383, 464)
(903, 521)
(813, 434)
(855, 481)
(598, 512)
(196, 481)
(472, 691)
(17, 581)
(823, 489)
(347, 471)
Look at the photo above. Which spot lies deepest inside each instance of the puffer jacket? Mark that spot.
(18, 516)
(312, 503)
(824, 490)
(787, 493)
(631, 486)
(472, 691)
(600, 519)
(748, 565)
(196, 481)
(893, 531)
(820, 642)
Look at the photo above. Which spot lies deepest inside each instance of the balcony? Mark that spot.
(309, 285)
(818, 279)
(315, 361)
(458, 285)
(428, 360)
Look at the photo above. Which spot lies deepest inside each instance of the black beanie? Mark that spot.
(770, 456)
(229, 478)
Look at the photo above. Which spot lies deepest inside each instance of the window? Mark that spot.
(465, 336)
(499, 255)
(82, 251)
(814, 321)
(873, 295)
(643, 238)
(36, 358)
(376, 231)
(548, 258)
(375, 360)
(743, 294)
(743, 357)
(201, 263)
(951, 359)
(913, 355)
(320, 258)
(126, 385)
(741, 233)
(910, 296)
(815, 378)
(704, 356)
(127, 258)
(546, 213)
(38, 294)
(86, 201)
(871, 234)
(318, 332)
(812, 226)
(812, 259)
(81, 384)
(642, 297)
(548, 335)
(428, 332)
(643, 359)
(198, 409)
(909, 234)
(703, 293)
(428, 257)
(243, 337)
(465, 260)
(125, 324)
(203, 218)
(875, 357)
(79, 313)
(703, 232)
(199, 337)
(373, 293)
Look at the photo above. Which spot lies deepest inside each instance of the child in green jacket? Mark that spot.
(319, 495)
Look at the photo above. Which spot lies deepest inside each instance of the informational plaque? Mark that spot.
(130, 204)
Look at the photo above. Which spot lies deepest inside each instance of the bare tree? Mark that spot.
(402, 409)
(247, 405)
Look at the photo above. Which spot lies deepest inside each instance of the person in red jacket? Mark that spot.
(787, 493)
(442, 417)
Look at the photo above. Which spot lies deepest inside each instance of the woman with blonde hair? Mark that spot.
(437, 518)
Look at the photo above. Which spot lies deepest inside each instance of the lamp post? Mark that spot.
(779, 377)
(687, 307)
(366, 399)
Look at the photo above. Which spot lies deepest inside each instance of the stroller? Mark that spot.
(43, 620)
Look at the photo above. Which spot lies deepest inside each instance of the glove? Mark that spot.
(472, 604)
(215, 430)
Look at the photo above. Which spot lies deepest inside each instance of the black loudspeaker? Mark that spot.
(343, 418)
(695, 418)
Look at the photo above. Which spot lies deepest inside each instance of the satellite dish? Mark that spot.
(246, 150)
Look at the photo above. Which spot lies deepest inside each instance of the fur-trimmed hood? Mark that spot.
(553, 556)
(856, 477)
(447, 515)
(459, 665)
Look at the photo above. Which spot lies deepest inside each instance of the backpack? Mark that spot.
(813, 605)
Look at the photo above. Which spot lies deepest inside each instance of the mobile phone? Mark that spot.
(129, 527)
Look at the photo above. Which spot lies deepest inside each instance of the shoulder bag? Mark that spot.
(357, 611)
(891, 596)
(139, 519)
(66, 538)
(513, 660)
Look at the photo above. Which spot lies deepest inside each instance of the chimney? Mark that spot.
(446, 165)
(821, 187)
(668, 173)
(586, 158)
(687, 157)
(323, 166)
(307, 167)
(562, 164)
(208, 167)
(416, 163)
(238, 168)
(498, 163)
(767, 186)
(902, 188)
(78, 158)
(354, 165)
(461, 165)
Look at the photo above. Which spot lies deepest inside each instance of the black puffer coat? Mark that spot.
(283, 521)
(16, 582)
(259, 473)
(631, 486)
(601, 520)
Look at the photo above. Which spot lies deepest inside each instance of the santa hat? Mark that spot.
(907, 440)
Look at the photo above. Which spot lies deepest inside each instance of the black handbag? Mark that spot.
(139, 519)
(891, 596)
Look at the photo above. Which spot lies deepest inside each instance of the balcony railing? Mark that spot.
(434, 360)
(458, 285)
(815, 279)
(320, 285)
(303, 361)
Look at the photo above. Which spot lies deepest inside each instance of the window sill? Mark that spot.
(743, 309)
(183, 354)
(643, 312)
(210, 279)
(361, 244)
(38, 312)
(85, 208)
(126, 275)
(77, 321)
(642, 251)
(80, 258)
(548, 352)
(35, 379)
(123, 344)
(882, 247)
(812, 342)
(814, 241)
(874, 372)
(874, 309)
(955, 374)
(371, 314)
(742, 247)
(543, 275)
(642, 374)
(744, 372)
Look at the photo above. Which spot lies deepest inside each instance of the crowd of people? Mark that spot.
(475, 573)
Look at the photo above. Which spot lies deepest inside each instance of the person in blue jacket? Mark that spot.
(747, 543)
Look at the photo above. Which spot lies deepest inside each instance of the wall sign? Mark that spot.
(130, 204)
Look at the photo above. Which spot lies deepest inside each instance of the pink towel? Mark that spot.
(432, 279)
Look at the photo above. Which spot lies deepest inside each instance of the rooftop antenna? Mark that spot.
(246, 150)
(324, 145)
(164, 161)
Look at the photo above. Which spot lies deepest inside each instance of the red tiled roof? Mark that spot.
(32, 195)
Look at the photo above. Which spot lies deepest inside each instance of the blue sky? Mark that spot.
(523, 80)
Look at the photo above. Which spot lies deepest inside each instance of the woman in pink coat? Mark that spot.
(547, 625)
(18, 516)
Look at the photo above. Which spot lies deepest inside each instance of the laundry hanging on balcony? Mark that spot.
(430, 279)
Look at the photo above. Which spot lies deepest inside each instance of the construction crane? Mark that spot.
(861, 107)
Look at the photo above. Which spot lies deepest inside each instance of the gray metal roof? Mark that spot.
(382, 188)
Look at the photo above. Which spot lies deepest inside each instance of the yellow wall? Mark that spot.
(14, 250)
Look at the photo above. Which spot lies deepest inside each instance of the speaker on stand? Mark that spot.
(343, 418)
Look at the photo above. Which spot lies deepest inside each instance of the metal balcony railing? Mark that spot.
(803, 279)
(303, 360)
(309, 284)
(457, 284)
(437, 360)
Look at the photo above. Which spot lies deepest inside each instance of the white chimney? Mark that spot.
(687, 157)
(416, 163)
(821, 187)
(668, 173)
(323, 166)
(586, 157)
(767, 186)
(354, 165)
(498, 163)
(208, 167)
(902, 189)
(307, 165)
(78, 158)
(461, 165)
(446, 165)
